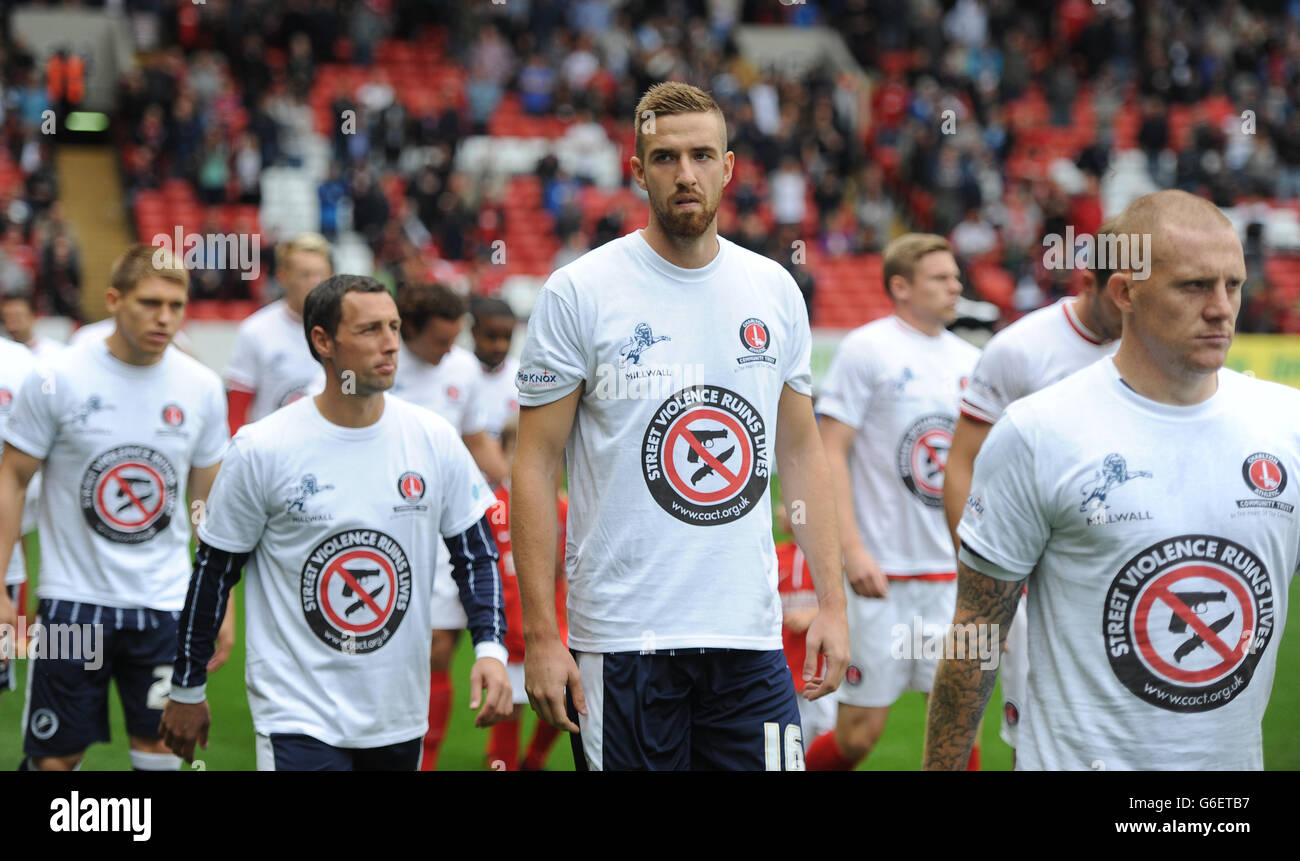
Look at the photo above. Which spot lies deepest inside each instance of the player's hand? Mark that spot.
(828, 635)
(225, 643)
(548, 670)
(497, 701)
(864, 575)
(182, 725)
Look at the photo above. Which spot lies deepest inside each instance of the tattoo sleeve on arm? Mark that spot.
(962, 686)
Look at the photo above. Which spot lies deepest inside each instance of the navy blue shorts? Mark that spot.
(687, 709)
(82, 648)
(283, 752)
(7, 674)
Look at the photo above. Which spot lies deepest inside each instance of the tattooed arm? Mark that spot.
(961, 688)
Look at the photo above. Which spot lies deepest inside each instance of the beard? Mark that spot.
(684, 225)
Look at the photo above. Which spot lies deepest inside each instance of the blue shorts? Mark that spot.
(282, 752)
(687, 709)
(7, 674)
(82, 648)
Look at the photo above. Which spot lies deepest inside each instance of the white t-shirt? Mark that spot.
(271, 360)
(669, 538)
(898, 388)
(327, 512)
(1160, 542)
(118, 442)
(1031, 354)
(44, 349)
(16, 362)
(450, 388)
(499, 397)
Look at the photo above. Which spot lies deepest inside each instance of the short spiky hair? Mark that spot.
(902, 255)
(668, 98)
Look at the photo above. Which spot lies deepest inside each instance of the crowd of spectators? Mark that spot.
(953, 128)
(39, 256)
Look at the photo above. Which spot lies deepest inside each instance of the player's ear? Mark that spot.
(321, 340)
(1121, 287)
(112, 298)
(729, 165)
(638, 171)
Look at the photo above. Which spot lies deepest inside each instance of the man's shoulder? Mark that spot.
(1271, 398)
(266, 317)
(461, 363)
(16, 356)
(760, 264)
(407, 415)
(1063, 403)
(194, 371)
(594, 270)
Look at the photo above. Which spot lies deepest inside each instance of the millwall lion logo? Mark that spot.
(642, 340)
(306, 488)
(1113, 473)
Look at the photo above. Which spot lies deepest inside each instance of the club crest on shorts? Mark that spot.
(1186, 621)
(704, 456)
(923, 455)
(355, 590)
(128, 493)
(6, 399)
(853, 675)
(1011, 713)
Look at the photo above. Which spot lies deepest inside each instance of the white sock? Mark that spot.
(142, 761)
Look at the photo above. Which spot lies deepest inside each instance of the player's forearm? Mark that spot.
(962, 686)
(488, 456)
(12, 498)
(956, 487)
(215, 573)
(474, 567)
(804, 477)
(533, 543)
(837, 464)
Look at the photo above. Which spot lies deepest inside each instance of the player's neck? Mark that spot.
(1150, 378)
(932, 328)
(694, 253)
(349, 411)
(122, 350)
(1085, 309)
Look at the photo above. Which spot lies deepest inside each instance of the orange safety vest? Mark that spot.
(76, 77)
(54, 77)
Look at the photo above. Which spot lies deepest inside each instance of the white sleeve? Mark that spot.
(995, 383)
(554, 359)
(465, 496)
(1004, 521)
(797, 372)
(216, 429)
(34, 422)
(241, 372)
(237, 509)
(474, 418)
(846, 391)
